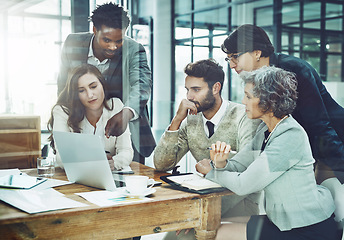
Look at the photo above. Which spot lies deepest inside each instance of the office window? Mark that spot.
(31, 53)
(50, 7)
(201, 36)
(267, 20)
(182, 6)
(334, 69)
(141, 33)
(312, 11)
(311, 42)
(182, 31)
(334, 58)
(183, 54)
(212, 19)
(334, 12)
(291, 13)
(301, 33)
(207, 4)
(200, 28)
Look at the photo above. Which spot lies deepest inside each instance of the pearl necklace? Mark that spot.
(267, 139)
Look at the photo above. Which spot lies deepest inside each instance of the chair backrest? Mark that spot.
(20, 141)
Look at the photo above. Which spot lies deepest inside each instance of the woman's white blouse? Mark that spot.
(120, 147)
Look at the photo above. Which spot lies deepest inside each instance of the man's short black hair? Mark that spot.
(207, 69)
(111, 15)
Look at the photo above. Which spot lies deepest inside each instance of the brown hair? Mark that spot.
(208, 69)
(70, 102)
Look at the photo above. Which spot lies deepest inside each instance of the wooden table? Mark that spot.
(170, 210)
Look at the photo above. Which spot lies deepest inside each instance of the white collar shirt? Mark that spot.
(216, 119)
(88, 128)
(103, 67)
(93, 60)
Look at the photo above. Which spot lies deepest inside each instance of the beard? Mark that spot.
(206, 104)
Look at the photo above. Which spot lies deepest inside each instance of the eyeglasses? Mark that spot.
(234, 57)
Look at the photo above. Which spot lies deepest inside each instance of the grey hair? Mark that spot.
(275, 88)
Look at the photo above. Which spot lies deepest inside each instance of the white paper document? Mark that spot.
(108, 198)
(5, 172)
(47, 184)
(51, 183)
(33, 201)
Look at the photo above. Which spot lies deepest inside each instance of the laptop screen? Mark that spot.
(84, 159)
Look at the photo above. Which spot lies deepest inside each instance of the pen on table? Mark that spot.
(233, 152)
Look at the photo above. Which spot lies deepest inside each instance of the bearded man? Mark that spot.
(202, 119)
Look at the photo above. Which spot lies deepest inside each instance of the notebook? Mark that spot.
(191, 182)
(84, 159)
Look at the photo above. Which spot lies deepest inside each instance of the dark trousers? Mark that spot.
(138, 157)
(261, 228)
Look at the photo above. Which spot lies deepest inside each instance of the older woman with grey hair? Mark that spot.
(277, 97)
(279, 161)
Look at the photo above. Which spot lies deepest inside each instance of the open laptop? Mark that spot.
(84, 159)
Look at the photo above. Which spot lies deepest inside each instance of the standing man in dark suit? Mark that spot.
(123, 63)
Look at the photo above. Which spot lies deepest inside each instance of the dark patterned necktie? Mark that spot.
(210, 126)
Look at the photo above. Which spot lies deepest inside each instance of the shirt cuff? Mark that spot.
(167, 130)
(216, 168)
(136, 116)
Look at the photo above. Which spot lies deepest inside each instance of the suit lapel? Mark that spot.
(78, 48)
(85, 43)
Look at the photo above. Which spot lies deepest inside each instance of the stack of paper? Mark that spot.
(32, 201)
(41, 198)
